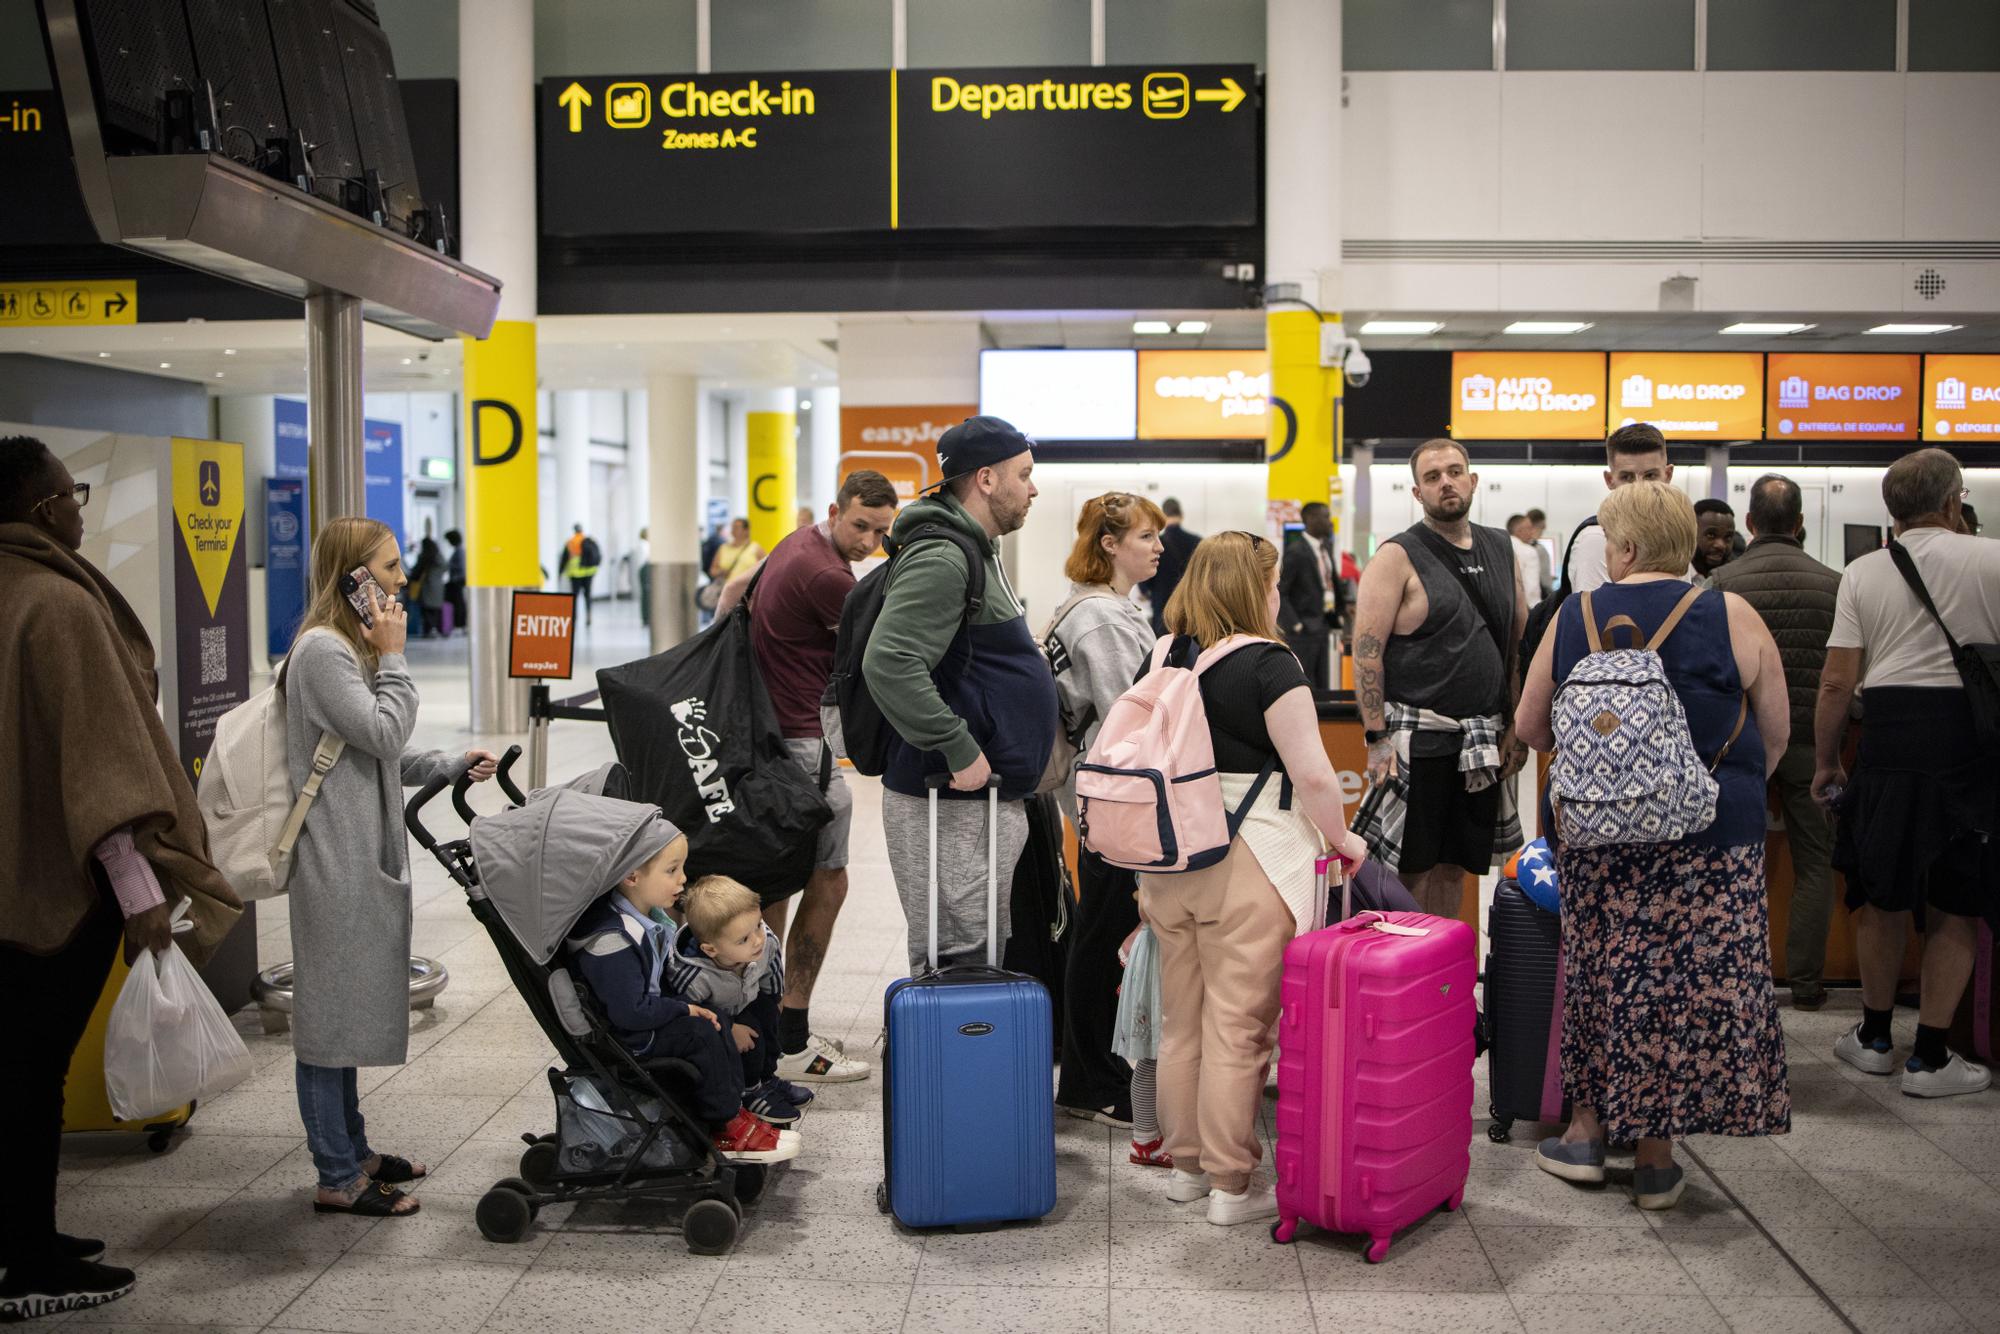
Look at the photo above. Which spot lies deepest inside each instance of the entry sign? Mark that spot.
(1961, 398)
(1820, 396)
(1527, 396)
(541, 636)
(1690, 395)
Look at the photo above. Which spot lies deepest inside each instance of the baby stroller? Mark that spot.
(621, 1133)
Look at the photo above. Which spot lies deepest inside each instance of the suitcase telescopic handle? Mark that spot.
(936, 783)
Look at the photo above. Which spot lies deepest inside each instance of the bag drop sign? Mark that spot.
(541, 636)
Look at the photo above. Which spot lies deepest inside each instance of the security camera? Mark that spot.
(1337, 349)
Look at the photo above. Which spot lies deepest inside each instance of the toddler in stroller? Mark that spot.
(647, 1107)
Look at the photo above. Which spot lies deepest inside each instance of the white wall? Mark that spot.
(1693, 162)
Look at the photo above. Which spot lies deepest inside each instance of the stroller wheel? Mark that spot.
(750, 1179)
(503, 1215)
(524, 1190)
(538, 1165)
(709, 1226)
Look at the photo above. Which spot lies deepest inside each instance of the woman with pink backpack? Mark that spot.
(1228, 892)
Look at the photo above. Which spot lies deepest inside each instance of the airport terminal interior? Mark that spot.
(577, 297)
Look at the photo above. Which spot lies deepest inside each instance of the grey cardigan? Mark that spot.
(350, 881)
(1104, 640)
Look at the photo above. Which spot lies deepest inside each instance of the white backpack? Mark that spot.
(245, 793)
(1626, 769)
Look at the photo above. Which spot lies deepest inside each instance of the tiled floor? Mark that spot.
(1891, 1206)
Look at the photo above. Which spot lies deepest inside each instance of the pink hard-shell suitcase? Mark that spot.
(1375, 1075)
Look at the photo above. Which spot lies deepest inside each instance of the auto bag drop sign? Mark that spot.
(1826, 396)
(1527, 396)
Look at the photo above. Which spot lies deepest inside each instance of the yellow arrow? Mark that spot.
(576, 99)
(1230, 94)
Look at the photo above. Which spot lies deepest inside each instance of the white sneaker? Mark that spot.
(822, 1062)
(1864, 1056)
(1258, 1201)
(1955, 1076)
(1186, 1187)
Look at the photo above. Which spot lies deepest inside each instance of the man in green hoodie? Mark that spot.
(968, 693)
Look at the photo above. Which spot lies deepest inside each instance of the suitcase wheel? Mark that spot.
(1378, 1250)
(1457, 1198)
(882, 1196)
(1500, 1131)
(159, 1140)
(1284, 1230)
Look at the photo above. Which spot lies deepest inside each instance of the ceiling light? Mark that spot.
(228, 351)
(407, 360)
(1151, 327)
(1546, 327)
(1409, 328)
(805, 405)
(218, 375)
(102, 355)
(1191, 327)
(1755, 330)
(166, 365)
(1911, 328)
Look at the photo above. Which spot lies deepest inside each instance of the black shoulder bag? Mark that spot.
(1978, 664)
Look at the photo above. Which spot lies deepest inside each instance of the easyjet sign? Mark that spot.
(1203, 395)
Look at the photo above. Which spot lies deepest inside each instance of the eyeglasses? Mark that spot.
(80, 493)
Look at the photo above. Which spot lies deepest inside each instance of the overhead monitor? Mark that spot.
(1063, 394)
(1824, 396)
(1527, 396)
(1204, 395)
(1961, 398)
(1690, 395)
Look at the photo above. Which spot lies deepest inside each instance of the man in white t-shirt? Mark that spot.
(1635, 453)
(1910, 837)
(1527, 557)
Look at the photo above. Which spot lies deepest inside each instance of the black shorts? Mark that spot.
(1443, 824)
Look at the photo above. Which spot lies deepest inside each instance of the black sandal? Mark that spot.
(396, 1170)
(378, 1200)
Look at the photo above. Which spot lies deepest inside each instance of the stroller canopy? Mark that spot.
(542, 864)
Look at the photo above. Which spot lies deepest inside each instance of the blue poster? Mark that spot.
(382, 459)
(284, 561)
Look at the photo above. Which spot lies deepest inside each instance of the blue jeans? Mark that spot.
(330, 1107)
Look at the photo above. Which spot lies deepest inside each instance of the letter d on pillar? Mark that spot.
(501, 490)
(501, 482)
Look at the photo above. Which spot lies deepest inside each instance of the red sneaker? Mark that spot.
(1153, 1153)
(747, 1140)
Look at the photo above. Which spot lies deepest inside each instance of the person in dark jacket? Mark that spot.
(1794, 594)
(1309, 591)
(1176, 545)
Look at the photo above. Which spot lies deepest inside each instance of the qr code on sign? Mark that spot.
(214, 654)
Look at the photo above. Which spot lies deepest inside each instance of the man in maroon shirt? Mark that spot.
(793, 621)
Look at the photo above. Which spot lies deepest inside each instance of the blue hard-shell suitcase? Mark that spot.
(968, 1123)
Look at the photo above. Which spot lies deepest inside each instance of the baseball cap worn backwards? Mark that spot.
(978, 442)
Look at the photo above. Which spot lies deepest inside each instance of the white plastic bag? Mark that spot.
(168, 1041)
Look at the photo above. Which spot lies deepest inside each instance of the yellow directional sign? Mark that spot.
(574, 99)
(69, 301)
(1230, 94)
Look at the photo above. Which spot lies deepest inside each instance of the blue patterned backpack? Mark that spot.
(1625, 768)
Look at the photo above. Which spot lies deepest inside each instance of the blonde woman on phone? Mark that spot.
(350, 881)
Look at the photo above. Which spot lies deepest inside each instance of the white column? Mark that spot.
(572, 412)
(1717, 458)
(496, 227)
(1302, 147)
(674, 462)
(638, 465)
(824, 449)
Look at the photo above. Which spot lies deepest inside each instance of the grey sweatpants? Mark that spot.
(961, 871)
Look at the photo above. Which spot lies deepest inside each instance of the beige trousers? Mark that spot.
(1222, 934)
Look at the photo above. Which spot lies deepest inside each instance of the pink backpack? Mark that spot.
(1148, 796)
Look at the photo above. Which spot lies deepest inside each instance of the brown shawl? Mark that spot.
(83, 753)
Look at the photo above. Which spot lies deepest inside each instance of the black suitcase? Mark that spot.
(1523, 1013)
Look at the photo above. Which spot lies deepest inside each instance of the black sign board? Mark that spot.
(880, 150)
(1117, 146)
(666, 154)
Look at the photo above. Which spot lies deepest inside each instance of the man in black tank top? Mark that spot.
(1440, 610)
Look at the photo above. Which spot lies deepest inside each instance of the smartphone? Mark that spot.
(361, 589)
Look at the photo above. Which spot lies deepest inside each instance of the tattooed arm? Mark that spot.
(1374, 621)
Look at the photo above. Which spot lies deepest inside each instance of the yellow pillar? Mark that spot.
(1302, 441)
(771, 453)
(502, 482)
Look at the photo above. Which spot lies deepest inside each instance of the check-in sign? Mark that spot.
(1827, 396)
(1961, 398)
(1690, 395)
(1204, 395)
(1527, 396)
(541, 635)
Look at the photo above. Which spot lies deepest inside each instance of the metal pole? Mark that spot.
(333, 406)
(538, 735)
